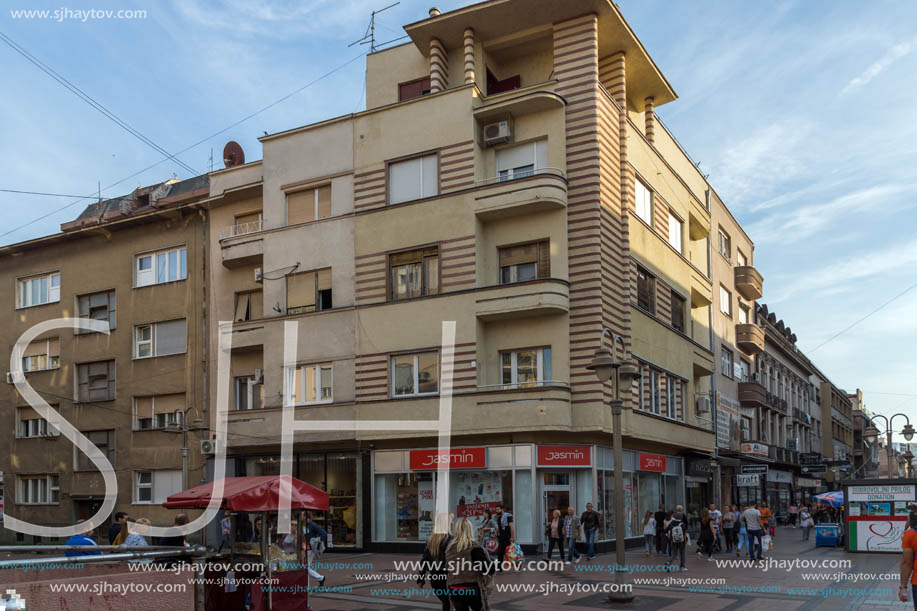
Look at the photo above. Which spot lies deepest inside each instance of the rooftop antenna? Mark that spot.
(211, 159)
(370, 36)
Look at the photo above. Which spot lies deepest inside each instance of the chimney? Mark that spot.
(435, 12)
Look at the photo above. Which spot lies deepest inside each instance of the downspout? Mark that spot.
(714, 404)
(205, 423)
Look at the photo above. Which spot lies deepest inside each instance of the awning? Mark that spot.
(251, 494)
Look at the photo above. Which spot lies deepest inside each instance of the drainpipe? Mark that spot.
(205, 423)
(714, 404)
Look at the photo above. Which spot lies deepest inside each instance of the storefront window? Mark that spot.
(398, 508)
(342, 473)
(629, 509)
(674, 492)
(650, 494)
(471, 492)
(523, 506)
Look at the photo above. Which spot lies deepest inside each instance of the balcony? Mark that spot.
(749, 283)
(247, 336)
(241, 244)
(750, 338)
(752, 394)
(536, 191)
(544, 297)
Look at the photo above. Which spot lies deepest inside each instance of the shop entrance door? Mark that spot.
(557, 490)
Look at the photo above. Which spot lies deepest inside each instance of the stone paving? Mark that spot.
(830, 587)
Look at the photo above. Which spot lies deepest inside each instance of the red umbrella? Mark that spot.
(251, 494)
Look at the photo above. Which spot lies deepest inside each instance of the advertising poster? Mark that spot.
(426, 507)
(473, 492)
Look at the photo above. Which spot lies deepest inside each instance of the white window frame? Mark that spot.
(28, 487)
(671, 408)
(171, 418)
(727, 369)
(743, 314)
(655, 398)
(643, 201)
(149, 277)
(416, 372)
(35, 428)
(725, 301)
(539, 367)
(424, 191)
(300, 370)
(137, 485)
(51, 362)
(676, 232)
(538, 160)
(152, 341)
(724, 244)
(24, 288)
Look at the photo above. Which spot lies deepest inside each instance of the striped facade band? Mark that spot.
(649, 120)
(439, 66)
(469, 55)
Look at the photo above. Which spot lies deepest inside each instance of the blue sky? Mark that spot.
(802, 113)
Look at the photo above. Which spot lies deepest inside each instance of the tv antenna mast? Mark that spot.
(370, 36)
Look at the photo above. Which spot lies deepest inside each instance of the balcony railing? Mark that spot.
(241, 229)
(521, 174)
(775, 402)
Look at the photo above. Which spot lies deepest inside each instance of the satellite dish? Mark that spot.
(233, 154)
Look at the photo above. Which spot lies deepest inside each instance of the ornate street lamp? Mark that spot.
(871, 434)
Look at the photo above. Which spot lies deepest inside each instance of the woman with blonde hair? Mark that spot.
(135, 537)
(555, 531)
(467, 564)
(434, 558)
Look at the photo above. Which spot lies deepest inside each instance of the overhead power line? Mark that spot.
(40, 193)
(92, 102)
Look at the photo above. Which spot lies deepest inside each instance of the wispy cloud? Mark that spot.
(881, 65)
(281, 20)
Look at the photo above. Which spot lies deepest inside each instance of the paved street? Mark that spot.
(782, 582)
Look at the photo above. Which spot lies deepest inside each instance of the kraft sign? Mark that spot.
(460, 458)
(564, 456)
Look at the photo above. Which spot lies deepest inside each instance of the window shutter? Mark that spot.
(301, 290)
(544, 259)
(516, 255)
(404, 258)
(324, 279)
(144, 407)
(36, 348)
(54, 347)
(324, 202)
(248, 218)
(171, 337)
(256, 305)
(300, 206)
(516, 156)
(27, 413)
(430, 179)
(243, 301)
(404, 181)
(169, 404)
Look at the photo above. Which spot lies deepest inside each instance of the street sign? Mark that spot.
(754, 468)
(814, 468)
(810, 458)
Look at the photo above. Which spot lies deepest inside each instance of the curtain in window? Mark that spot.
(171, 337)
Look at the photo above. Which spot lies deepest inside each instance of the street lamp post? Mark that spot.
(605, 365)
(871, 434)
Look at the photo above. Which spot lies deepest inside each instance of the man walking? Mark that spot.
(767, 521)
(659, 516)
(506, 533)
(590, 522)
(755, 530)
(676, 533)
(716, 516)
(572, 529)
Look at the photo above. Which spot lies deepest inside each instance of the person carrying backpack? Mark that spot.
(676, 532)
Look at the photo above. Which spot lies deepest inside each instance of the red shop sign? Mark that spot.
(458, 458)
(567, 456)
(652, 462)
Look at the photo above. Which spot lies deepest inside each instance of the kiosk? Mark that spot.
(877, 513)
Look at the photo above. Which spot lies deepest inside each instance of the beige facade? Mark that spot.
(137, 262)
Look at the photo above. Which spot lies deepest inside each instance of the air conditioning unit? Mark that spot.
(703, 405)
(12, 377)
(259, 376)
(497, 133)
(259, 274)
(209, 446)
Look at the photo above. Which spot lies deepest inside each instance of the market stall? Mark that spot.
(256, 549)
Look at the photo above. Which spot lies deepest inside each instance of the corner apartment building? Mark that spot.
(865, 454)
(509, 174)
(836, 412)
(136, 262)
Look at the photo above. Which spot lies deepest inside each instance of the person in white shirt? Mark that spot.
(716, 516)
(755, 530)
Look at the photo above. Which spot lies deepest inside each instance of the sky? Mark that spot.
(802, 114)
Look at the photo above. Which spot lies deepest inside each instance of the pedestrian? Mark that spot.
(572, 529)
(136, 537)
(676, 532)
(591, 522)
(743, 537)
(175, 537)
(225, 531)
(792, 512)
(257, 532)
(84, 537)
(767, 521)
(316, 537)
(716, 517)
(665, 531)
(121, 537)
(555, 532)
(707, 535)
(115, 528)
(659, 520)
(649, 531)
(806, 522)
(433, 562)
(467, 564)
(755, 530)
(488, 527)
(506, 533)
(728, 527)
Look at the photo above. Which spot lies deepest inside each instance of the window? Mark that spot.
(414, 273)
(152, 487)
(522, 160)
(525, 262)
(309, 205)
(309, 291)
(413, 89)
(412, 179)
(740, 258)
(159, 411)
(249, 222)
(726, 362)
(644, 202)
(743, 314)
(745, 369)
(39, 490)
(678, 312)
(646, 290)
(95, 381)
(308, 384)
(97, 306)
(160, 339)
(676, 230)
(725, 244)
(105, 441)
(249, 392)
(655, 399)
(41, 354)
(160, 267)
(522, 368)
(725, 301)
(249, 306)
(33, 425)
(415, 374)
(39, 290)
(671, 396)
